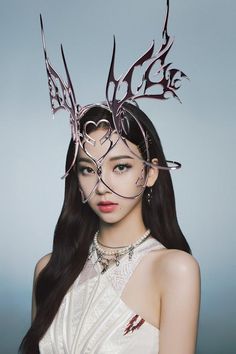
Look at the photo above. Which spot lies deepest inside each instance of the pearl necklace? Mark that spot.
(115, 255)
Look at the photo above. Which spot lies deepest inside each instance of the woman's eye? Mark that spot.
(84, 170)
(122, 168)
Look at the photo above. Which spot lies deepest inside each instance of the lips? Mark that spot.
(107, 206)
(107, 202)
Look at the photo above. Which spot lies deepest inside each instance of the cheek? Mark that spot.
(127, 205)
(91, 202)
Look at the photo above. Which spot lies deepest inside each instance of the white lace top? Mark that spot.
(92, 318)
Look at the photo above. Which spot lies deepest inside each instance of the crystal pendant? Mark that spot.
(105, 264)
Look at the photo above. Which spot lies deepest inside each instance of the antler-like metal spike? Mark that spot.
(62, 95)
(114, 103)
(168, 83)
(70, 86)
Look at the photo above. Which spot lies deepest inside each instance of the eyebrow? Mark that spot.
(121, 157)
(115, 158)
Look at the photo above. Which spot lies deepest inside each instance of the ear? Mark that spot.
(152, 173)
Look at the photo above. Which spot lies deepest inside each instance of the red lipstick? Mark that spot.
(107, 206)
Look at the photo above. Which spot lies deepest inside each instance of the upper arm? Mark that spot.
(180, 302)
(38, 268)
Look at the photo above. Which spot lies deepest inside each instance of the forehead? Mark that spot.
(114, 146)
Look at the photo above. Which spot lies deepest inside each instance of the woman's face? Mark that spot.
(121, 174)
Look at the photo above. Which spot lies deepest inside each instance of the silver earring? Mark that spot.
(149, 196)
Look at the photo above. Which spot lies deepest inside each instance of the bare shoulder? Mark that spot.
(173, 260)
(41, 264)
(172, 265)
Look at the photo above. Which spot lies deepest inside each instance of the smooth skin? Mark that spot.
(165, 287)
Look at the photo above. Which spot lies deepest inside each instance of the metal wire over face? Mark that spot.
(159, 81)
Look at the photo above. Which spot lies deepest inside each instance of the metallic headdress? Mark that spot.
(167, 82)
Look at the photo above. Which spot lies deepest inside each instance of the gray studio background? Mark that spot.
(200, 133)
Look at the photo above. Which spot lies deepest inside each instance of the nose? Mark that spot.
(101, 188)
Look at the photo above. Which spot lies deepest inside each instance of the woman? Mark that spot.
(121, 277)
(142, 305)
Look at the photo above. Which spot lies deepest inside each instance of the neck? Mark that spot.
(121, 233)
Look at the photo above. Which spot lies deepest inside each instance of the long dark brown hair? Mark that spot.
(77, 224)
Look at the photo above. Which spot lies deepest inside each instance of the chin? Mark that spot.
(109, 218)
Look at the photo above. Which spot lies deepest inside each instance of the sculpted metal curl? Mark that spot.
(167, 82)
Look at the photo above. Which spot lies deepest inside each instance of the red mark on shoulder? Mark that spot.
(135, 323)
